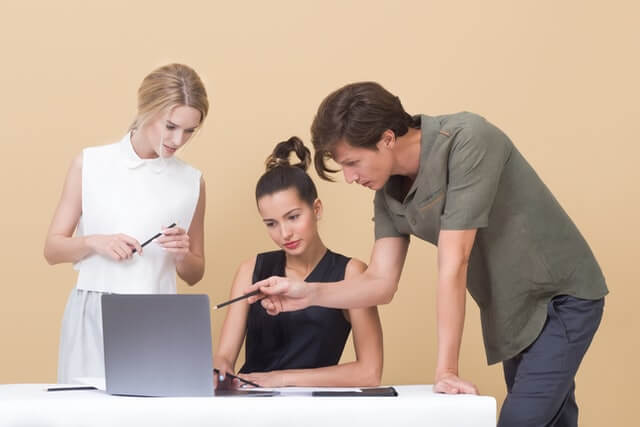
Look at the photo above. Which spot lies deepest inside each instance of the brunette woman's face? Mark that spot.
(291, 222)
(168, 131)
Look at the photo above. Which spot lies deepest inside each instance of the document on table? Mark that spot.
(304, 391)
(332, 391)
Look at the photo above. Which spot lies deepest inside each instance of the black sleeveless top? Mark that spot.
(310, 338)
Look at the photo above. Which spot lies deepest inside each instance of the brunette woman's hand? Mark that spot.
(266, 379)
(222, 381)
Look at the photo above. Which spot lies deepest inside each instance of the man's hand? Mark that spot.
(278, 294)
(452, 384)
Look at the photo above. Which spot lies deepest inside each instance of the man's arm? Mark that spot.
(375, 286)
(454, 249)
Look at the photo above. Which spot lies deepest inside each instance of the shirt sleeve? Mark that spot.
(384, 226)
(476, 161)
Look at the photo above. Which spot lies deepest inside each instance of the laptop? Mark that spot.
(157, 345)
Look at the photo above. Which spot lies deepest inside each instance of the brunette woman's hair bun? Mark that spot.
(282, 153)
(280, 174)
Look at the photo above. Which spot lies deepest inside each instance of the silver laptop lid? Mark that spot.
(157, 345)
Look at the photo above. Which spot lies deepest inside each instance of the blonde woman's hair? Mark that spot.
(169, 86)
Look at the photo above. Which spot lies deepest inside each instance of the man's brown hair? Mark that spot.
(357, 113)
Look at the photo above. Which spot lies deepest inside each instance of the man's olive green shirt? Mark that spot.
(527, 249)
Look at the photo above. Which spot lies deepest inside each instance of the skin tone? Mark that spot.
(379, 282)
(162, 135)
(292, 224)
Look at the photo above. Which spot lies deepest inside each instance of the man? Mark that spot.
(458, 182)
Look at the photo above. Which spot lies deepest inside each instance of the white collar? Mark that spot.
(133, 161)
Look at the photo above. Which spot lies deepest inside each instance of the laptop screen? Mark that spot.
(157, 345)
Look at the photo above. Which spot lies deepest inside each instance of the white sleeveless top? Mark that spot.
(122, 193)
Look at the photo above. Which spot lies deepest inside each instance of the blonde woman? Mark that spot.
(116, 196)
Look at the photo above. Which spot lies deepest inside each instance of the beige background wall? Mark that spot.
(560, 77)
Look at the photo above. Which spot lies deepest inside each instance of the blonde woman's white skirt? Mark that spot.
(81, 352)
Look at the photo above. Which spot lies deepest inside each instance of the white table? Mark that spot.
(416, 405)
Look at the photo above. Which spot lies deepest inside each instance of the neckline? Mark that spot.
(427, 135)
(313, 271)
(134, 161)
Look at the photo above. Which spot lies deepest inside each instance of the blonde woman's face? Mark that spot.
(169, 131)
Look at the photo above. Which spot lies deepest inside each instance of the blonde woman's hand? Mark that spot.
(117, 247)
(175, 240)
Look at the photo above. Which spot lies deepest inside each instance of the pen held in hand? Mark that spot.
(153, 238)
(250, 294)
(237, 378)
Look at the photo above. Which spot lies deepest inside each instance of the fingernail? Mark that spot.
(221, 377)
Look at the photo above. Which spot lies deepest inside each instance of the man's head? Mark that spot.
(360, 116)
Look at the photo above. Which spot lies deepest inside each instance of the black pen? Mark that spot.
(67, 388)
(250, 294)
(154, 237)
(237, 378)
